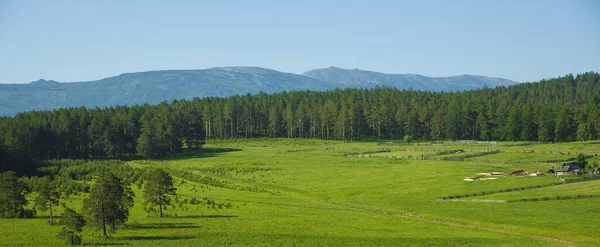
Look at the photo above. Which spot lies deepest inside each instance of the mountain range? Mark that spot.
(165, 85)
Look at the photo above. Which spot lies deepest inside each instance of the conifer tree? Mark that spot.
(158, 189)
(47, 197)
(74, 223)
(108, 203)
(12, 195)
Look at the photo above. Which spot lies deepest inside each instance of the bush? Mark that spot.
(74, 223)
(26, 213)
(76, 240)
(70, 237)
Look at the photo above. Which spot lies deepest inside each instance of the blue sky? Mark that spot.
(87, 40)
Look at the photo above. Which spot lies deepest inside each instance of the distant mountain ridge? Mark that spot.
(356, 77)
(153, 87)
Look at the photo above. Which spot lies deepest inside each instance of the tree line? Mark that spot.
(560, 109)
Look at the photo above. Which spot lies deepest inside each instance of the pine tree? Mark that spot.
(157, 190)
(581, 160)
(583, 132)
(274, 121)
(12, 195)
(562, 126)
(454, 119)
(108, 203)
(150, 144)
(513, 124)
(74, 223)
(47, 197)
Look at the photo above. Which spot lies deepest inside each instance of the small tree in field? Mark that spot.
(109, 202)
(581, 160)
(408, 138)
(47, 197)
(157, 190)
(591, 166)
(74, 223)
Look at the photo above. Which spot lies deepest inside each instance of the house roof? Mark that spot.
(563, 169)
(572, 164)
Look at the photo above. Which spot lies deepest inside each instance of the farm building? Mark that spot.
(568, 168)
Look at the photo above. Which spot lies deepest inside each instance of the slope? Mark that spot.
(368, 79)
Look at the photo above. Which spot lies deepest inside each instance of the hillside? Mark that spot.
(156, 86)
(368, 79)
(149, 87)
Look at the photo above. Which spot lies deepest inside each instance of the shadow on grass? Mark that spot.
(56, 218)
(105, 244)
(203, 153)
(204, 216)
(162, 226)
(153, 238)
(404, 239)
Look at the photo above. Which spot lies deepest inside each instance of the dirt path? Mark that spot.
(490, 229)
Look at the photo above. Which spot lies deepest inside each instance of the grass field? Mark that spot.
(513, 156)
(574, 189)
(310, 193)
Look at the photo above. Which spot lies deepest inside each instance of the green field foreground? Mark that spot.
(311, 193)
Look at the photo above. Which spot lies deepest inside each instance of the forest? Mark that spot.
(554, 110)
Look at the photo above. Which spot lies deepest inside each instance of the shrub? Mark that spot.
(26, 213)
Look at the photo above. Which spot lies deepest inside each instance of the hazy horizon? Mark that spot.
(249, 66)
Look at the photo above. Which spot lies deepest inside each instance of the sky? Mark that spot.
(78, 40)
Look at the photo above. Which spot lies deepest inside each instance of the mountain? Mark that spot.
(368, 79)
(150, 87)
(153, 87)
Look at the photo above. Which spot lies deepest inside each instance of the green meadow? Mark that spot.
(293, 192)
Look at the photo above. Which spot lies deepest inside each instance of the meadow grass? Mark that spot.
(572, 189)
(514, 156)
(288, 192)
